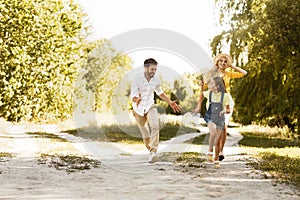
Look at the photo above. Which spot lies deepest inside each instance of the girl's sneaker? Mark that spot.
(217, 165)
(209, 156)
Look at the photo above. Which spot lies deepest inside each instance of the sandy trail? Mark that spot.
(125, 173)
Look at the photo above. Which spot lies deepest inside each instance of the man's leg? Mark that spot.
(153, 120)
(143, 126)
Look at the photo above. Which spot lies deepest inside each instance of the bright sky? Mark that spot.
(191, 18)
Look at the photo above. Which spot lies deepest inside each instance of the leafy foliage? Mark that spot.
(105, 69)
(263, 37)
(186, 91)
(40, 53)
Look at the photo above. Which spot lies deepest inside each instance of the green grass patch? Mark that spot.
(4, 156)
(284, 168)
(261, 140)
(127, 133)
(276, 155)
(202, 140)
(70, 163)
(46, 136)
(185, 157)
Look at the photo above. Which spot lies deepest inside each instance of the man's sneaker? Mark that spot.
(221, 156)
(153, 157)
(209, 156)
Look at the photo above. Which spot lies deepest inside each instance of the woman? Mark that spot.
(222, 66)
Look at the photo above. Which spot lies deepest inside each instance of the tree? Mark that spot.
(264, 38)
(41, 50)
(187, 90)
(105, 67)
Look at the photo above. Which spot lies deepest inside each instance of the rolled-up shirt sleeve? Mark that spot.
(158, 90)
(134, 91)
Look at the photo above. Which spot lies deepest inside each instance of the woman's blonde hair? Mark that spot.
(222, 55)
(214, 70)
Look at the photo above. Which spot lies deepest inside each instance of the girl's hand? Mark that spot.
(222, 112)
(201, 83)
(196, 110)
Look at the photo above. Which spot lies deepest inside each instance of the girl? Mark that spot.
(217, 105)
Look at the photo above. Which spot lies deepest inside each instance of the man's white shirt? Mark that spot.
(140, 85)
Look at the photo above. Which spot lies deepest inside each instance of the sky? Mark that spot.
(193, 19)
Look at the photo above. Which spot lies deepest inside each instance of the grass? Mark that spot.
(186, 159)
(5, 155)
(202, 139)
(47, 136)
(70, 163)
(127, 133)
(283, 168)
(276, 155)
(263, 140)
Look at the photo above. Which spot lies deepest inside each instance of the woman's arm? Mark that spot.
(201, 97)
(239, 69)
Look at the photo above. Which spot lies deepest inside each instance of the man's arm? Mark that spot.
(135, 96)
(174, 106)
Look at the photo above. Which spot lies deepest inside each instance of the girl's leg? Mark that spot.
(217, 143)
(213, 131)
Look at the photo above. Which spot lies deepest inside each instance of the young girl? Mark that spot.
(217, 105)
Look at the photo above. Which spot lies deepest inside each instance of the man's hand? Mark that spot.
(175, 107)
(137, 100)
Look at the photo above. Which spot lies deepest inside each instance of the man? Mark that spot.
(144, 110)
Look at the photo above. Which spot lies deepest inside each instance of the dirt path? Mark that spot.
(125, 174)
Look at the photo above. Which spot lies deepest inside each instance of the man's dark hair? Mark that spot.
(149, 61)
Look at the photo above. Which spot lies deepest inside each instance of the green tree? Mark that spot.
(105, 68)
(268, 32)
(40, 52)
(186, 89)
